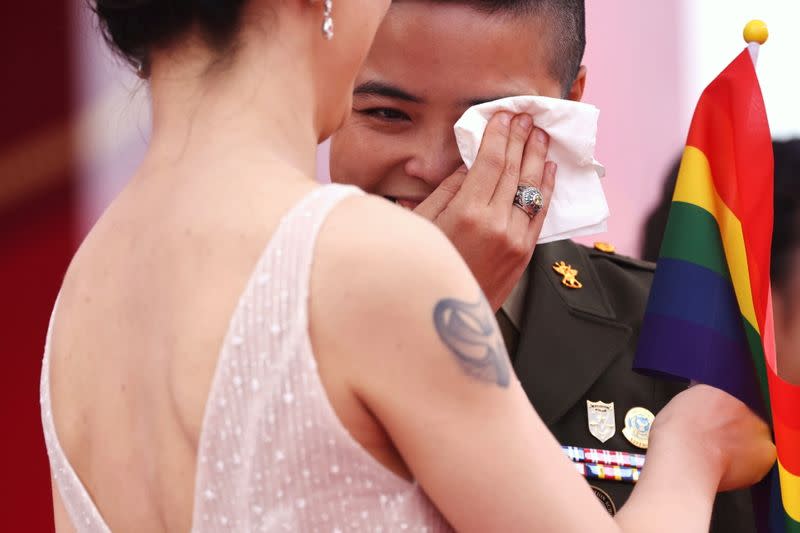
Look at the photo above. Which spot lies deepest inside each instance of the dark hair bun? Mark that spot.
(135, 27)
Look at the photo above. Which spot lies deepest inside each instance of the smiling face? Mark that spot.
(428, 64)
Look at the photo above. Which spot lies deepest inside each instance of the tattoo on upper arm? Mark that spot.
(470, 332)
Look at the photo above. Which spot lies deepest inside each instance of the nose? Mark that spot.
(435, 156)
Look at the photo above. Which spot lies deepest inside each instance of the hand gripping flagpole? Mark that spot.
(755, 34)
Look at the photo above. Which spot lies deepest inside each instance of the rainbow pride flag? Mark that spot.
(709, 316)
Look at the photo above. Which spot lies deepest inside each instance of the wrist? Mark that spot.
(678, 459)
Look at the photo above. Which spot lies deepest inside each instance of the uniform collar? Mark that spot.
(514, 306)
(568, 336)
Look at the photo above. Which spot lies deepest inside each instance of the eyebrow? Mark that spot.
(379, 88)
(478, 101)
(387, 90)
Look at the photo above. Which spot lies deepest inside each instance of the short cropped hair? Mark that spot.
(566, 20)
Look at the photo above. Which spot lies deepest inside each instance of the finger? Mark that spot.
(441, 197)
(517, 139)
(533, 160)
(482, 178)
(547, 186)
(533, 163)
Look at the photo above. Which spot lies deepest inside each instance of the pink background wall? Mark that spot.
(635, 77)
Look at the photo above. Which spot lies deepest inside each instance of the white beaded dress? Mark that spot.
(273, 456)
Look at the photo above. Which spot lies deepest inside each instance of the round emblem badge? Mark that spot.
(637, 426)
(605, 499)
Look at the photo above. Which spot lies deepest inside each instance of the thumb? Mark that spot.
(441, 197)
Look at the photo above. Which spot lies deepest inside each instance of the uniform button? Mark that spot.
(606, 247)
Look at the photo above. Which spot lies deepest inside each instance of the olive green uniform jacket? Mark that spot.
(575, 345)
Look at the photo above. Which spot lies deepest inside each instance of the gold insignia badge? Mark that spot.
(606, 247)
(638, 422)
(602, 425)
(569, 275)
(605, 499)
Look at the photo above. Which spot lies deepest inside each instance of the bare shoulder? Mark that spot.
(370, 227)
(381, 252)
(379, 273)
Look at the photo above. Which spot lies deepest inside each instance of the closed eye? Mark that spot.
(386, 114)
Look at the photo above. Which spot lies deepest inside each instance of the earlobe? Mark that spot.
(576, 91)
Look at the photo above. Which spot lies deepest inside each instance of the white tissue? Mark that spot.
(578, 206)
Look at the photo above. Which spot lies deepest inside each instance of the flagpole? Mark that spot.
(755, 34)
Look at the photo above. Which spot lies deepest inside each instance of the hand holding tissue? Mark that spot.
(578, 206)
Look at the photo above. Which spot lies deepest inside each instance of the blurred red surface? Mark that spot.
(37, 239)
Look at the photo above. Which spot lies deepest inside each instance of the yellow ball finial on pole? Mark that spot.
(756, 32)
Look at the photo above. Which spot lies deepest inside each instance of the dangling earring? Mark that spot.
(327, 21)
(141, 69)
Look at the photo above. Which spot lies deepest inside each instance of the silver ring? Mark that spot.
(529, 199)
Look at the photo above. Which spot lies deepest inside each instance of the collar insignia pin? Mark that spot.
(569, 275)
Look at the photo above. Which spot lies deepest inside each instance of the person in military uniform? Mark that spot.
(573, 348)
(570, 314)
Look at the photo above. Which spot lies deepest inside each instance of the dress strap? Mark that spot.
(82, 511)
